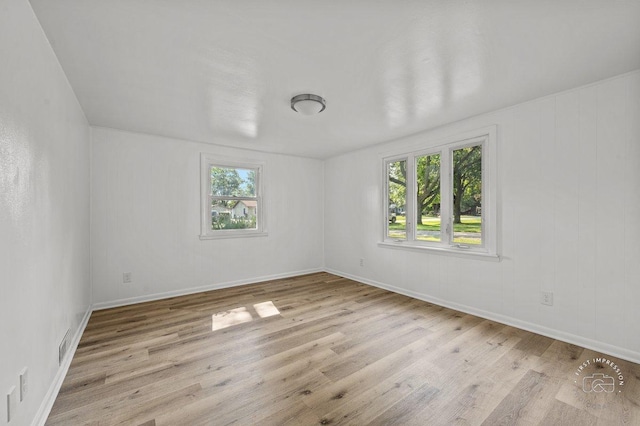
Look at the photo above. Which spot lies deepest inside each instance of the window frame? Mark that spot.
(207, 161)
(486, 138)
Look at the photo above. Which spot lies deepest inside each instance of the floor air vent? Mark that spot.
(62, 349)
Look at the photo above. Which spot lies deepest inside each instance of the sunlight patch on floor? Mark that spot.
(229, 318)
(241, 315)
(266, 309)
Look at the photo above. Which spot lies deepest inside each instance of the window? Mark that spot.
(397, 173)
(453, 208)
(231, 198)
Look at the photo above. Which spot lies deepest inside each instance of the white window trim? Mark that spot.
(206, 233)
(490, 231)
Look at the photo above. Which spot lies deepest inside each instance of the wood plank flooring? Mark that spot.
(320, 349)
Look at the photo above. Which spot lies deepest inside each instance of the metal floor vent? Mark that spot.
(62, 349)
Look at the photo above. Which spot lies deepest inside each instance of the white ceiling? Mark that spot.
(224, 71)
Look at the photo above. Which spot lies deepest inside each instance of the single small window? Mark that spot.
(231, 199)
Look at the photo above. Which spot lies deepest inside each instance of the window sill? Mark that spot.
(441, 251)
(233, 234)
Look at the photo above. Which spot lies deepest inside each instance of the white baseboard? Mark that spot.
(192, 290)
(594, 345)
(47, 403)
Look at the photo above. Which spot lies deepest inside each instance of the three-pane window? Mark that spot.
(443, 198)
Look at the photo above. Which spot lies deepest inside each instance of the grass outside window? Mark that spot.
(470, 229)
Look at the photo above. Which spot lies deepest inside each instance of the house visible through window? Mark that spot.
(453, 203)
(232, 197)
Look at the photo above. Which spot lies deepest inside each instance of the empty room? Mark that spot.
(218, 212)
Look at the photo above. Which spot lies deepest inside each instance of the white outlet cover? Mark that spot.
(24, 382)
(12, 403)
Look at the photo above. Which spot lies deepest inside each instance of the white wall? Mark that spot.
(44, 209)
(570, 199)
(145, 219)
(569, 168)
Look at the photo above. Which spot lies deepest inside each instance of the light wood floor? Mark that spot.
(321, 349)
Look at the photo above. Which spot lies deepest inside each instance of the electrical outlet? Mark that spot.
(24, 379)
(546, 298)
(361, 262)
(126, 277)
(12, 404)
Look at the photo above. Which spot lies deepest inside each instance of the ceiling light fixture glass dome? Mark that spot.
(308, 104)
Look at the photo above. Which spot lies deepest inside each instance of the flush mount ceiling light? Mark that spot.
(308, 104)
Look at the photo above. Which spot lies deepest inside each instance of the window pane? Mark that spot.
(428, 198)
(233, 182)
(233, 214)
(397, 190)
(467, 195)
